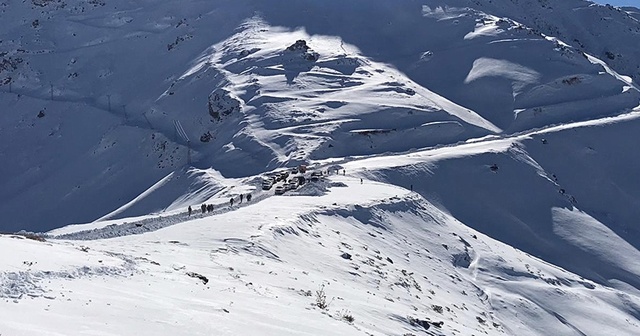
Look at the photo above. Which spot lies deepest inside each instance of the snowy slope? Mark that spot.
(105, 95)
(467, 247)
(383, 255)
(633, 11)
(596, 29)
(566, 201)
(478, 158)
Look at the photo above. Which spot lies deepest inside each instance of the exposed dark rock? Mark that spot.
(303, 49)
(198, 276)
(299, 45)
(419, 323)
(10, 63)
(221, 104)
(610, 55)
(206, 137)
(462, 260)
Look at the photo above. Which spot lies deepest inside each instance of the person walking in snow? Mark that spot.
(203, 207)
(248, 197)
(189, 210)
(241, 197)
(210, 207)
(231, 201)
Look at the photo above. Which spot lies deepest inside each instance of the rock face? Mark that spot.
(222, 103)
(304, 50)
(462, 260)
(299, 45)
(206, 137)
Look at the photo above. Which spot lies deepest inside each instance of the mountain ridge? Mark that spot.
(94, 71)
(469, 166)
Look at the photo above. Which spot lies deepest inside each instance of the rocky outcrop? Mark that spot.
(222, 103)
(305, 51)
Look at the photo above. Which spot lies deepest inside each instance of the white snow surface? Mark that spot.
(103, 95)
(479, 167)
(382, 254)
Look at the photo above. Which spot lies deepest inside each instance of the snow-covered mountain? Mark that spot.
(481, 160)
(95, 91)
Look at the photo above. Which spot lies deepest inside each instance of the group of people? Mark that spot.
(241, 199)
(206, 208)
(209, 207)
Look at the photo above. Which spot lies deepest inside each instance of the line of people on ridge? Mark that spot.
(209, 207)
